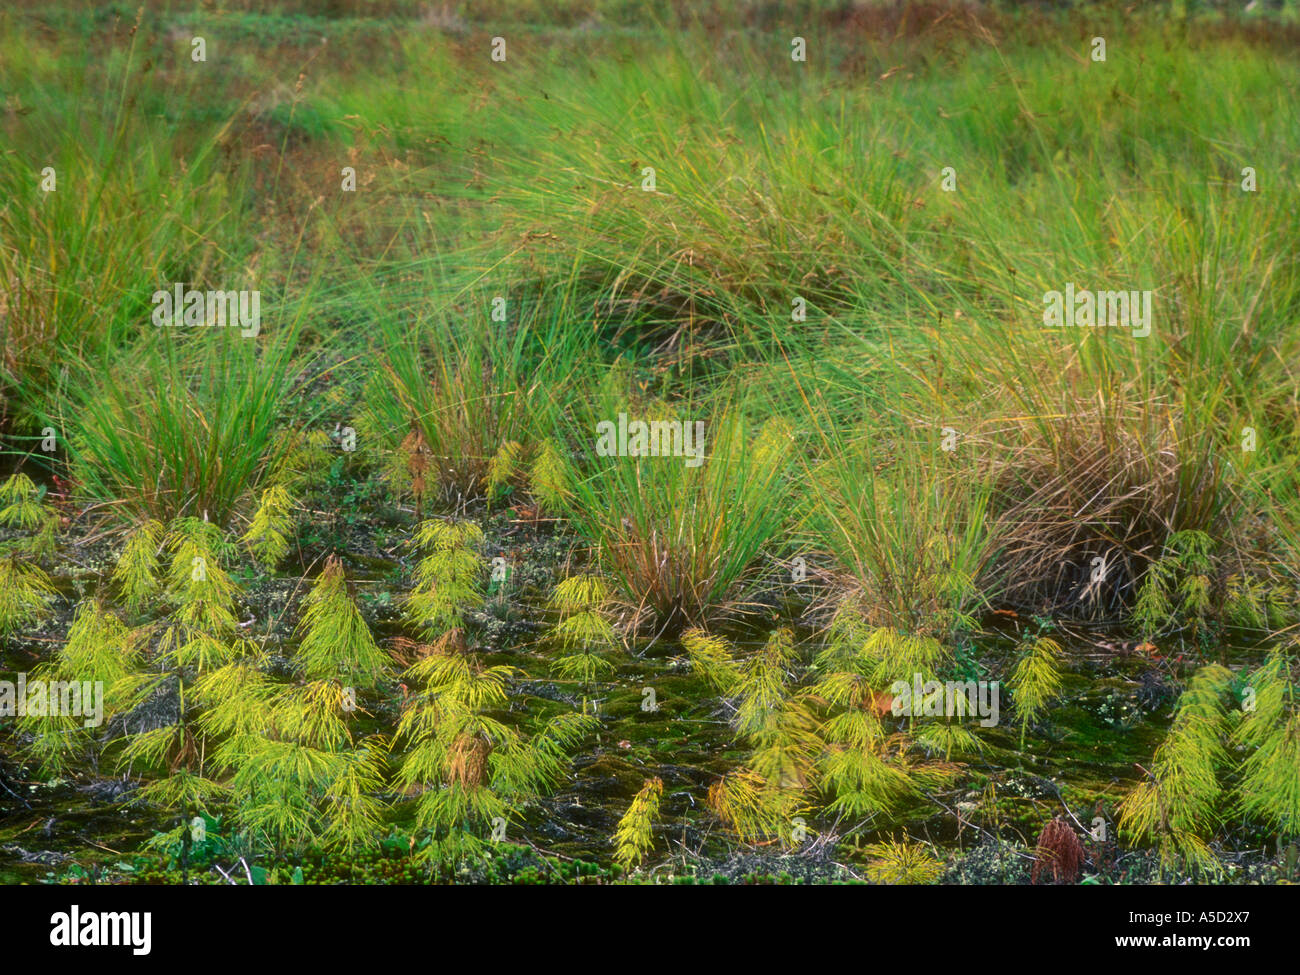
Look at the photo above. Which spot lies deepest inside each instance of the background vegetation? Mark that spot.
(906, 471)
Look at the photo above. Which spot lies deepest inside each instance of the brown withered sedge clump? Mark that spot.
(1059, 853)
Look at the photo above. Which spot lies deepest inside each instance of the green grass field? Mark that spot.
(423, 421)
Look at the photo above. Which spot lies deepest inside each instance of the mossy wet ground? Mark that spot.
(657, 718)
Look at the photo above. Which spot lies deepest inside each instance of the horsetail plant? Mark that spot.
(471, 770)
(762, 799)
(100, 650)
(711, 657)
(306, 779)
(25, 594)
(502, 469)
(1253, 603)
(20, 505)
(584, 632)
(267, 535)
(1035, 680)
(854, 769)
(902, 862)
(1177, 804)
(204, 596)
(634, 836)
(305, 458)
(1269, 790)
(336, 643)
(448, 577)
(549, 478)
(136, 573)
(1177, 585)
(21, 509)
(751, 809)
